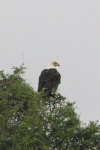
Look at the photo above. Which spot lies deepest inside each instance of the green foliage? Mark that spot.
(31, 120)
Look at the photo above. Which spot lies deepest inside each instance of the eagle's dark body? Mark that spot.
(49, 79)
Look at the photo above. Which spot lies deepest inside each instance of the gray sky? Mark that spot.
(67, 31)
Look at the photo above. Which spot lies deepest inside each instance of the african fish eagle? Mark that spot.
(49, 78)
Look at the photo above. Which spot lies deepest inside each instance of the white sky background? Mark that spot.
(67, 31)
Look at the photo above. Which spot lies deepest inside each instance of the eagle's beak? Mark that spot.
(58, 65)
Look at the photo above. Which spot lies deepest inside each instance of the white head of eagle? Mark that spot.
(49, 78)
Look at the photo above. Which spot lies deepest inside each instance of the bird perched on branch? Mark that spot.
(49, 78)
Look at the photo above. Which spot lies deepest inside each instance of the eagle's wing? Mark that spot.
(42, 79)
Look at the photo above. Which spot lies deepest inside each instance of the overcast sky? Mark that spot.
(67, 31)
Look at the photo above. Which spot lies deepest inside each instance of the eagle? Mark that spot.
(49, 78)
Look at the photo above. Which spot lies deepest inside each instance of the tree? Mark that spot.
(31, 120)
